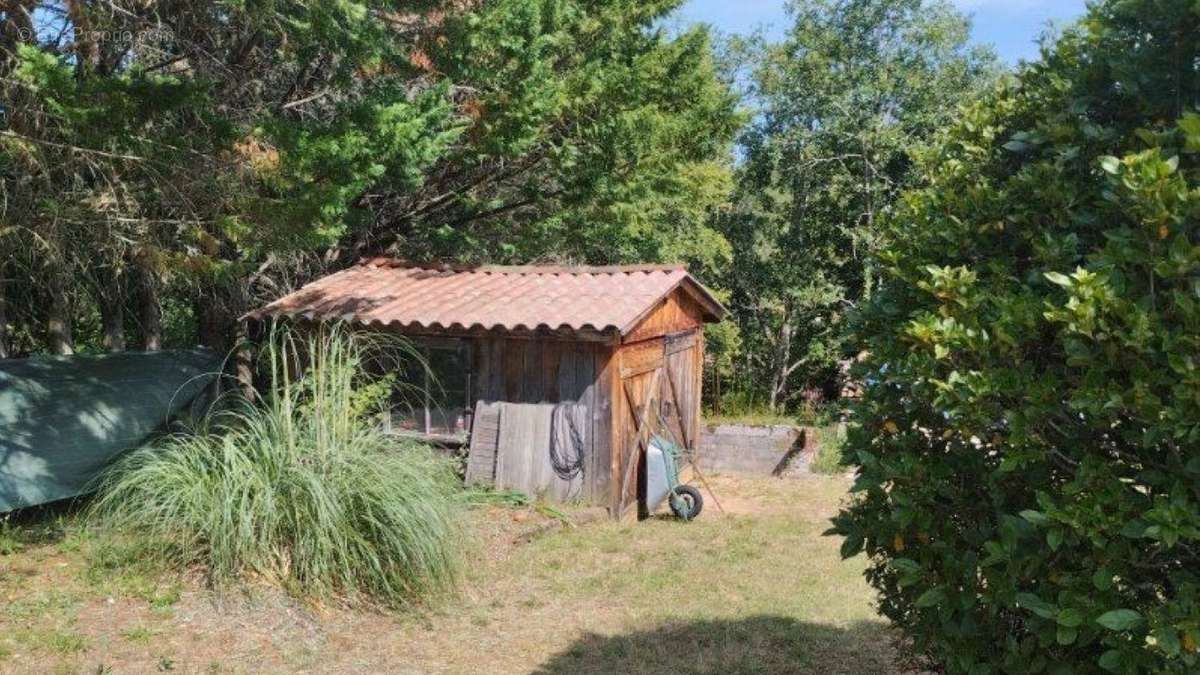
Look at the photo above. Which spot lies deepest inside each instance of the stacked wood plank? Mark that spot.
(511, 448)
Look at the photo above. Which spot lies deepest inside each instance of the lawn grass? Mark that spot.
(756, 590)
(751, 418)
(740, 411)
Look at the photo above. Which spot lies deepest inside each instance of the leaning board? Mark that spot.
(511, 448)
(485, 436)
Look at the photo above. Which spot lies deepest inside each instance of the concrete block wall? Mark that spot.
(755, 450)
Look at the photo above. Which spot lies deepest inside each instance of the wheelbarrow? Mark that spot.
(662, 480)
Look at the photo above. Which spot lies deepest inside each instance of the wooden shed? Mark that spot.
(527, 355)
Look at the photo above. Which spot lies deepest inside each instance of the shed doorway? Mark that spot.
(660, 393)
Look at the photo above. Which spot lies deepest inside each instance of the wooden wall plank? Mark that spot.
(492, 382)
(514, 469)
(619, 424)
(641, 357)
(523, 459)
(605, 369)
(532, 390)
(581, 415)
(568, 419)
(514, 369)
(697, 389)
(553, 356)
(574, 381)
(677, 312)
(481, 370)
(485, 439)
(677, 342)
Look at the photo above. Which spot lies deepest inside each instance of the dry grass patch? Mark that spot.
(757, 590)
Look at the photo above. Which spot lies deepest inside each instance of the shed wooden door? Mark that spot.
(684, 360)
(636, 403)
(659, 394)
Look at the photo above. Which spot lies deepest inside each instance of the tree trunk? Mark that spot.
(215, 323)
(781, 367)
(112, 312)
(87, 49)
(15, 28)
(58, 316)
(778, 388)
(113, 321)
(245, 370)
(3, 315)
(149, 311)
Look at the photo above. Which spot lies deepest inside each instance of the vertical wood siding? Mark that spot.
(519, 370)
(677, 312)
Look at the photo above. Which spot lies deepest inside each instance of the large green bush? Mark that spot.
(301, 487)
(1028, 447)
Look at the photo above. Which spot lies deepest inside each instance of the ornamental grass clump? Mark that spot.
(300, 487)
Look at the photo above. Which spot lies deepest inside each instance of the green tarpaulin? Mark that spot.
(63, 419)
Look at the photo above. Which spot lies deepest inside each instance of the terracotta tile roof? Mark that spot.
(384, 292)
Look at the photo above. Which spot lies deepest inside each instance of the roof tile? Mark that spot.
(385, 292)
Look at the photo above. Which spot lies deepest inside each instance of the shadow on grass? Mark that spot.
(760, 645)
(40, 525)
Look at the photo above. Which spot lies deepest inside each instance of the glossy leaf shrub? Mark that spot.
(1028, 447)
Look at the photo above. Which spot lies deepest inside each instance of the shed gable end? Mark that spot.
(675, 313)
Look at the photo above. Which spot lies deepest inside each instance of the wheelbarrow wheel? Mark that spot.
(686, 502)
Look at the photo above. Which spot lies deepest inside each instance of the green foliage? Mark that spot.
(10, 542)
(324, 167)
(738, 408)
(1027, 447)
(302, 488)
(218, 157)
(145, 149)
(608, 139)
(722, 349)
(831, 442)
(847, 98)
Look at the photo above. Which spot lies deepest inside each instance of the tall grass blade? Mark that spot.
(301, 486)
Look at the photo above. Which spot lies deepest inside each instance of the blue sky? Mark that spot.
(1011, 25)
